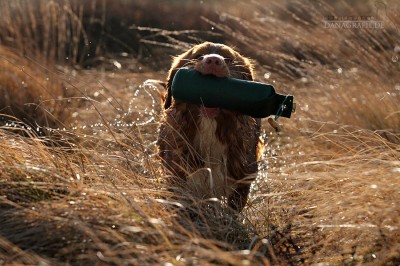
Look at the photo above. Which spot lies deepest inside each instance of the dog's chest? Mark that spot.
(213, 153)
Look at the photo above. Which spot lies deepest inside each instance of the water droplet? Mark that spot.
(267, 75)
(305, 108)
(117, 64)
(353, 70)
(340, 70)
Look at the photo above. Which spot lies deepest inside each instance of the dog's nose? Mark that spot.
(213, 64)
(213, 60)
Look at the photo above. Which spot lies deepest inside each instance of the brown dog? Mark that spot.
(211, 150)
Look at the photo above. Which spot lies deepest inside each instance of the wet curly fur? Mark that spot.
(211, 151)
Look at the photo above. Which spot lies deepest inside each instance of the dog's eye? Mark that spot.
(228, 60)
(199, 57)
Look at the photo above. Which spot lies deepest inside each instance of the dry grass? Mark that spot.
(327, 191)
(44, 30)
(31, 96)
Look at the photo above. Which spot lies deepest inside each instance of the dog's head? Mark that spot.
(210, 59)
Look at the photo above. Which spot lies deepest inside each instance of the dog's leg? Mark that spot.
(238, 198)
(201, 182)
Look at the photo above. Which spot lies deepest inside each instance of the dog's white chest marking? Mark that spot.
(214, 155)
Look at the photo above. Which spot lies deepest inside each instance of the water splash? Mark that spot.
(148, 114)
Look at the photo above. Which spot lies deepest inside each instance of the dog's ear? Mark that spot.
(177, 63)
(247, 69)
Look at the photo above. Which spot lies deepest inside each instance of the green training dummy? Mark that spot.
(251, 98)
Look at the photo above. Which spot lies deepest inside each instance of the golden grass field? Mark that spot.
(80, 182)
